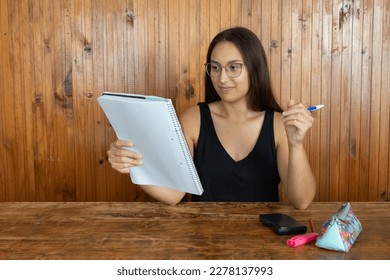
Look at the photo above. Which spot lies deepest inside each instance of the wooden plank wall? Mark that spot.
(57, 57)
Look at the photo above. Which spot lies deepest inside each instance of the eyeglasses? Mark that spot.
(233, 70)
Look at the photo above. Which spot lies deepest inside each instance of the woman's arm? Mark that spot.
(293, 164)
(122, 159)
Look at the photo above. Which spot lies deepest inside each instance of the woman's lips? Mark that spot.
(225, 89)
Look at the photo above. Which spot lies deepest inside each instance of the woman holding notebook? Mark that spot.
(242, 142)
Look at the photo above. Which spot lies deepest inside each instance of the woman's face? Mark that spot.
(229, 88)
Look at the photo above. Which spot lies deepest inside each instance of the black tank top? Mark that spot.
(252, 179)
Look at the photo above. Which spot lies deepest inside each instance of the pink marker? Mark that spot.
(302, 239)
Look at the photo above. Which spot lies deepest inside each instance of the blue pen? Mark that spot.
(316, 107)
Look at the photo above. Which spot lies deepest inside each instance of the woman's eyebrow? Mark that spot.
(230, 61)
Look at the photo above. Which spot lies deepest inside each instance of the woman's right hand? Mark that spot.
(122, 159)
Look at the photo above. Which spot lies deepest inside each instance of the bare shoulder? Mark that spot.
(190, 116)
(279, 130)
(278, 119)
(190, 121)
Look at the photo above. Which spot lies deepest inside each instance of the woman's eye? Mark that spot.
(234, 67)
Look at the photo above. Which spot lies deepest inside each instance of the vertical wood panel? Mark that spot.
(305, 25)
(58, 57)
(345, 26)
(384, 157)
(11, 102)
(238, 13)
(254, 21)
(296, 50)
(265, 27)
(82, 111)
(336, 46)
(275, 48)
(324, 180)
(375, 116)
(7, 171)
(56, 73)
(183, 55)
(3, 88)
(95, 49)
(315, 88)
(356, 103)
(286, 46)
(366, 98)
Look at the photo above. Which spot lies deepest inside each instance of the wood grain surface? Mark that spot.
(149, 231)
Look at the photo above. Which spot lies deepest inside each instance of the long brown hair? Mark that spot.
(261, 95)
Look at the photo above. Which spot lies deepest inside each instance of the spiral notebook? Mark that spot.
(151, 123)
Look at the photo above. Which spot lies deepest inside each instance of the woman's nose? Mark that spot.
(223, 76)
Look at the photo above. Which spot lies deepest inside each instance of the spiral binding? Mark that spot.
(184, 146)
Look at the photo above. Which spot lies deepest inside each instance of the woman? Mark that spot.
(242, 143)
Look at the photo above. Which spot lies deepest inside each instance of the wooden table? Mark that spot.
(145, 231)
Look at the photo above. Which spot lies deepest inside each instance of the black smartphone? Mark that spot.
(282, 224)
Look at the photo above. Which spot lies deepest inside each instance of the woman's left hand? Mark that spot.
(297, 121)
